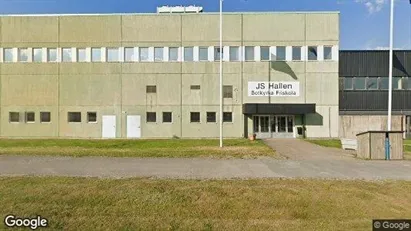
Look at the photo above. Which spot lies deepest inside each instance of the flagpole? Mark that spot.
(221, 73)
(390, 67)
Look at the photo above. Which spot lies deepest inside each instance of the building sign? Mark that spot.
(284, 89)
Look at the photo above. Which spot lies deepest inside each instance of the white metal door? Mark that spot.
(133, 126)
(109, 126)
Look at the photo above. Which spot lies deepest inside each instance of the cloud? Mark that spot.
(373, 6)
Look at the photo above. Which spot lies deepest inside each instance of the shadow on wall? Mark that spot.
(397, 64)
(314, 119)
(282, 66)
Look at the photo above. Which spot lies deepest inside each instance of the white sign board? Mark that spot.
(274, 89)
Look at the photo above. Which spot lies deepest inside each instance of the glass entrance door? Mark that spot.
(273, 126)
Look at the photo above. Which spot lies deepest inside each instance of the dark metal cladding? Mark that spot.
(278, 109)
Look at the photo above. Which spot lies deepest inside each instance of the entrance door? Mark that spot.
(109, 126)
(133, 126)
(273, 126)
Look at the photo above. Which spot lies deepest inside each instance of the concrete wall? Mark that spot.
(351, 125)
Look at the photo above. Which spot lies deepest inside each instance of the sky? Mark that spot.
(364, 24)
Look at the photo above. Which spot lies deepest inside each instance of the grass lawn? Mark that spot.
(237, 148)
(144, 204)
(407, 149)
(333, 143)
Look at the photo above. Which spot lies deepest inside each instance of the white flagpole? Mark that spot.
(390, 67)
(221, 73)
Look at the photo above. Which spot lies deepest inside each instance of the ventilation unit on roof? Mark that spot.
(179, 9)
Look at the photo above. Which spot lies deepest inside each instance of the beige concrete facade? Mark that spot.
(119, 89)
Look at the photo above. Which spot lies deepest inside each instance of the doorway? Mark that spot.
(273, 126)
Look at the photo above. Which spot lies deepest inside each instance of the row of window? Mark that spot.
(376, 83)
(227, 90)
(29, 117)
(195, 117)
(164, 54)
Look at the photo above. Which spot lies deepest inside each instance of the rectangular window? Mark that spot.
(173, 54)
(96, 54)
(30, 117)
(348, 83)
(328, 55)
(81, 54)
(265, 53)
(217, 52)
(23, 55)
(249, 53)
(312, 53)
(91, 117)
(158, 54)
(37, 55)
(296, 53)
(234, 54)
(66, 56)
(211, 117)
(228, 117)
(74, 117)
(113, 55)
(14, 117)
(167, 117)
(8, 55)
(359, 83)
(227, 92)
(151, 117)
(195, 87)
(129, 54)
(151, 89)
(195, 117)
(383, 83)
(280, 53)
(203, 56)
(372, 83)
(188, 54)
(396, 83)
(45, 117)
(52, 55)
(144, 54)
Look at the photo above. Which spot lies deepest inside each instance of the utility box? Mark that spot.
(380, 145)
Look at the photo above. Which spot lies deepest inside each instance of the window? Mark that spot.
(158, 54)
(359, 83)
(173, 54)
(45, 117)
(372, 83)
(195, 87)
(217, 52)
(203, 56)
(348, 83)
(74, 117)
(151, 117)
(265, 53)
(23, 55)
(52, 55)
(37, 55)
(280, 53)
(312, 53)
(234, 54)
(296, 53)
(167, 117)
(151, 89)
(81, 54)
(328, 53)
(91, 117)
(227, 92)
(144, 54)
(211, 117)
(228, 117)
(30, 117)
(96, 54)
(396, 83)
(8, 55)
(188, 53)
(14, 117)
(129, 55)
(383, 83)
(112, 55)
(195, 117)
(66, 56)
(249, 54)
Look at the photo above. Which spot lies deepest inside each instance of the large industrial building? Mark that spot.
(157, 75)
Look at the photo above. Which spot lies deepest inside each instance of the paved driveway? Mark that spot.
(203, 168)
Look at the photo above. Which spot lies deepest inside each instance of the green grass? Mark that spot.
(333, 143)
(237, 148)
(143, 204)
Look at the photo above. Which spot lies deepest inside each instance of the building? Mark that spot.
(364, 91)
(157, 75)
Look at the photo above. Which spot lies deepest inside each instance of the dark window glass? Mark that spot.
(227, 92)
(167, 117)
(217, 52)
(265, 53)
(396, 83)
(151, 117)
(328, 53)
(249, 53)
(290, 124)
(234, 54)
(194, 117)
(14, 117)
(91, 117)
(151, 89)
(203, 53)
(45, 117)
(348, 82)
(312, 53)
(74, 117)
(280, 53)
(296, 53)
(383, 83)
(372, 83)
(359, 83)
(195, 87)
(211, 117)
(30, 117)
(188, 53)
(227, 117)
